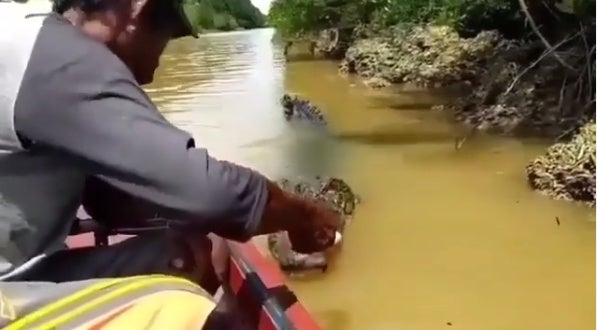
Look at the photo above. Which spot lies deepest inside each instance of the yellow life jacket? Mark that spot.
(139, 302)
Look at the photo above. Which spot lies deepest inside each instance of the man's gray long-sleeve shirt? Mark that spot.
(70, 109)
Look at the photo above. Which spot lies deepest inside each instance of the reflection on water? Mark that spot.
(444, 239)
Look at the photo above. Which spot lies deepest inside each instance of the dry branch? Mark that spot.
(548, 51)
(546, 42)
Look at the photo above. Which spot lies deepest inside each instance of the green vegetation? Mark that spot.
(299, 17)
(227, 15)
(468, 17)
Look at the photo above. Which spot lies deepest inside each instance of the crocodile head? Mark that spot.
(337, 195)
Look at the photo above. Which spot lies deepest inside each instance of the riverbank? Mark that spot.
(516, 88)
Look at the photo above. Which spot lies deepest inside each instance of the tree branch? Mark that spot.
(533, 24)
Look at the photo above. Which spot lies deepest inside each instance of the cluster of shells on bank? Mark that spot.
(567, 170)
(425, 55)
(436, 56)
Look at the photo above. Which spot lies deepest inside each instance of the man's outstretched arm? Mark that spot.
(116, 207)
(105, 124)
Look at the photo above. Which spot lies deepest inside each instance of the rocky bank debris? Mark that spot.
(515, 87)
(425, 55)
(567, 170)
(520, 91)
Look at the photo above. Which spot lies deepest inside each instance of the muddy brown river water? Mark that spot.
(444, 239)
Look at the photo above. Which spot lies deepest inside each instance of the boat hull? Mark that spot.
(255, 281)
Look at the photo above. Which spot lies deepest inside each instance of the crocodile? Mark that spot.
(335, 193)
(296, 108)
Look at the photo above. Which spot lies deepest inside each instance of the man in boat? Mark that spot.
(76, 127)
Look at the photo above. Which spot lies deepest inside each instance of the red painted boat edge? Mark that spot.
(272, 277)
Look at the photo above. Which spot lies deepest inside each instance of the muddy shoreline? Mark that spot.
(516, 88)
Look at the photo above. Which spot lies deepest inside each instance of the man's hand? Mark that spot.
(315, 232)
(310, 224)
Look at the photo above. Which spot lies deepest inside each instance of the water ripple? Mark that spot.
(224, 89)
(203, 71)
